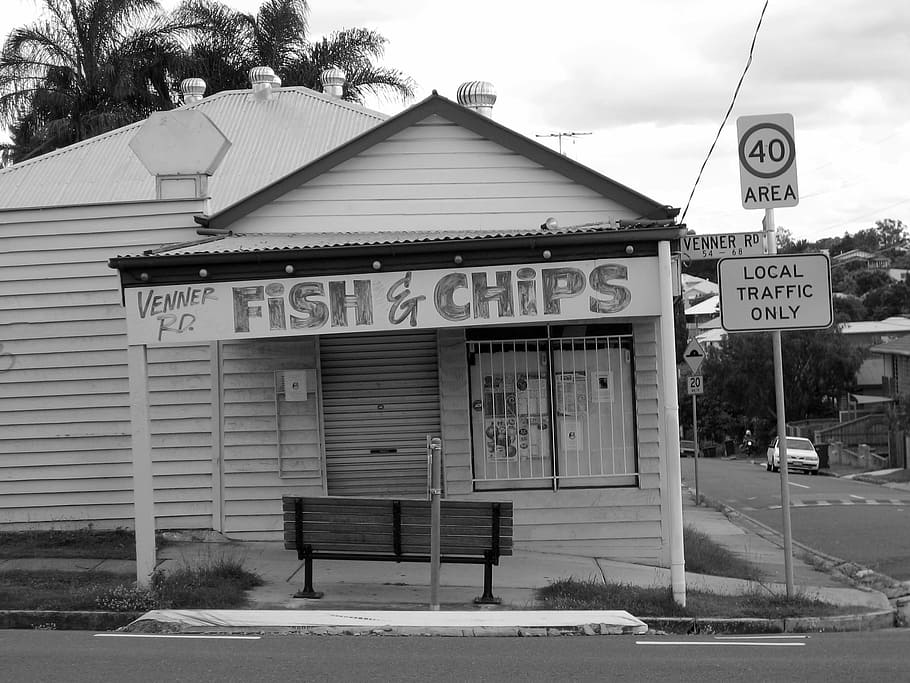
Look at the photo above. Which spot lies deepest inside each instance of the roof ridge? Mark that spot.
(201, 104)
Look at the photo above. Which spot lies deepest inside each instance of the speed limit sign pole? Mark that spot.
(694, 355)
(767, 171)
(695, 444)
(781, 423)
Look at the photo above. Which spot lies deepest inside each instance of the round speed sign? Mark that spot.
(767, 150)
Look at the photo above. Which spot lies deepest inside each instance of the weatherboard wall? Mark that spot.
(434, 174)
(65, 457)
(620, 523)
(270, 445)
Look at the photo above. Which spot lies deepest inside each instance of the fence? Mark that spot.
(872, 430)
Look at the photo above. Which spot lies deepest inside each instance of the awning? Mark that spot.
(863, 400)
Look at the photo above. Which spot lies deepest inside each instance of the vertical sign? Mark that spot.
(767, 161)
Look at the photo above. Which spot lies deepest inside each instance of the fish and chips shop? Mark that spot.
(438, 276)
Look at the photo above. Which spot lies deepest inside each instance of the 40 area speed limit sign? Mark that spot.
(767, 161)
(695, 385)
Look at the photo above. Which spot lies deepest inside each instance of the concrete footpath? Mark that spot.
(391, 598)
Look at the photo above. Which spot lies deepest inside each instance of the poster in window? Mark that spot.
(515, 417)
(571, 393)
(603, 387)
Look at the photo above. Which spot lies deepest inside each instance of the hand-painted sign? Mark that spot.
(420, 299)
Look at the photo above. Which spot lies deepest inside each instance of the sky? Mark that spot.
(649, 82)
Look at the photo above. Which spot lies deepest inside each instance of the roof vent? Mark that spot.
(264, 82)
(477, 95)
(193, 89)
(333, 80)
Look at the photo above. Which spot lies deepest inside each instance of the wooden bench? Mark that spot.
(383, 529)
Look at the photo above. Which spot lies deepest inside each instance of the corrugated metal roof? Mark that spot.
(237, 243)
(892, 324)
(269, 140)
(897, 347)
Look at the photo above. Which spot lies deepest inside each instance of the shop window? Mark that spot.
(552, 412)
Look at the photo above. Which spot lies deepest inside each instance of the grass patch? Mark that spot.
(218, 583)
(108, 544)
(591, 594)
(705, 556)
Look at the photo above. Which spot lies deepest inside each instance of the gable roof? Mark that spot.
(269, 139)
(647, 209)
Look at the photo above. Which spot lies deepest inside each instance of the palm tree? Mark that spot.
(227, 44)
(85, 67)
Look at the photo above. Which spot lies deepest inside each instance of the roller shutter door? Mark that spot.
(380, 399)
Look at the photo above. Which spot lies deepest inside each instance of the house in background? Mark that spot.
(869, 335)
(863, 258)
(431, 273)
(894, 366)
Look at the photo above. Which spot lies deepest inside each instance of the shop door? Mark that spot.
(380, 399)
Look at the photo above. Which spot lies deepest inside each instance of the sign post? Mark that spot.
(694, 355)
(767, 172)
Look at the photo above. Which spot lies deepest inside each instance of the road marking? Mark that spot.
(843, 501)
(769, 636)
(853, 495)
(172, 635)
(802, 486)
(715, 642)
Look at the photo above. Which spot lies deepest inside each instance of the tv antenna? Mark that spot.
(560, 136)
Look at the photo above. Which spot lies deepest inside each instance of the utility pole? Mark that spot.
(560, 136)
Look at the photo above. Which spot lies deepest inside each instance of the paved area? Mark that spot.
(388, 592)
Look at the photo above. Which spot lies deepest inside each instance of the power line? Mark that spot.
(727, 115)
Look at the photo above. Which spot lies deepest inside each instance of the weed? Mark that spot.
(705, 556)
(759, 603)
(218, 584)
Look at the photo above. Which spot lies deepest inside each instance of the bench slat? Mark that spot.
(366, 526)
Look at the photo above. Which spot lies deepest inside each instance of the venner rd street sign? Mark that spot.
(705, 247)
(763, 293)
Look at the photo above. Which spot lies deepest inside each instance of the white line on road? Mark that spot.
(171, 635)
(715, 642)
(769, 636)
(853, 495)
(802, 486)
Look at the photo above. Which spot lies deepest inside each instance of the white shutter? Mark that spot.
(380, 399)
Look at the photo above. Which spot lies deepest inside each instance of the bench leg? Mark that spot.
(308, 591)
(487, 597)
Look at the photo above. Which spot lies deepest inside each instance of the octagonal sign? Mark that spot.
(179, 142)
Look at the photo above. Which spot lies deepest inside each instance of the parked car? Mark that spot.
(801, 455)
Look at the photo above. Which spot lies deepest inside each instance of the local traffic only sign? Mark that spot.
(779, 292)
(705, 247)
(767, 161)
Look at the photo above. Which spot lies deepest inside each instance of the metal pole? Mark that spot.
(695, 442)
(671, 423)
(435, 519)
(781, 423)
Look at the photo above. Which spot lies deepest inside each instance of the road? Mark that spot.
(863, 523)
(80, 656)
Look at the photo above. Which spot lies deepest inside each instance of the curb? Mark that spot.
(592, 629)
(57, 620)
(870, 621)
(859, 576)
